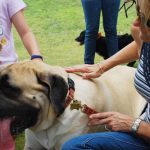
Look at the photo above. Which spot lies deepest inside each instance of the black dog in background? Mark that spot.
(101, 48)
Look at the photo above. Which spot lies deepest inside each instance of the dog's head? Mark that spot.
(81, 38)
(32, 94)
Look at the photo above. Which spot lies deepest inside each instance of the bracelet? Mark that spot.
(100, 68)
(36, 56)
(135, 125)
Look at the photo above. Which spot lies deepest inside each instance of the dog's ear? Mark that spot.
(57, 90)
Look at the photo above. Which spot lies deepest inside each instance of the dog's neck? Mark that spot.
(70, 95)
(75, 103)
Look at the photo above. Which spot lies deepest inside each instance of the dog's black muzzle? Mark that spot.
(23, 115)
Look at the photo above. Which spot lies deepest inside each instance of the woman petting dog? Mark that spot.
(92, 10)
(127, 133)
(11, 12)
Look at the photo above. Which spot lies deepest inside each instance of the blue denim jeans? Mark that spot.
(106, 141)
(92, 10)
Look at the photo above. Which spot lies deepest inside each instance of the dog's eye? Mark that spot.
(4, 81)
(34, 97)
(7, 88)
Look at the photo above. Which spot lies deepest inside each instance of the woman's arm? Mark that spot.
(135, 31)
(144, 131)
(127, 54)
(25, 33)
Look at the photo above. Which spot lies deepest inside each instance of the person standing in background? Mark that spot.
(92, 11)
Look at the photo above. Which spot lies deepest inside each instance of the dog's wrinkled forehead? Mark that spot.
(18, 74)
(26, 73)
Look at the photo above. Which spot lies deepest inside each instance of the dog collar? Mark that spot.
(75, 104)
(71, 91)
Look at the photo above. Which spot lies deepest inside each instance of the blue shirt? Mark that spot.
(142, 77)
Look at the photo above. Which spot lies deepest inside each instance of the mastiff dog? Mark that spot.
(53, 106)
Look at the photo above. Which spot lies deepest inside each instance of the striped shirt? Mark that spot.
(141, 78)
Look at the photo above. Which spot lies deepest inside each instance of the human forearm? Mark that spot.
(25, 33)
(30, 43)
(144, 131)
(127, 54)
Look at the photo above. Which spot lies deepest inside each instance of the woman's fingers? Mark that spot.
(80, 68)
(102, 115)
(87, 71)
(113, 120)
(100, 118)
(99, 121)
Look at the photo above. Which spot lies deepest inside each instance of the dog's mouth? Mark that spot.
(6, 139)
(11, 126)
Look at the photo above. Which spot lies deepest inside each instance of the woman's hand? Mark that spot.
(112, 120)
(88, 71)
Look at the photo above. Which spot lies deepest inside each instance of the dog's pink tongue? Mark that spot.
(6, 140)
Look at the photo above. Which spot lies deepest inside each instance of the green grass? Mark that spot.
(55, 24)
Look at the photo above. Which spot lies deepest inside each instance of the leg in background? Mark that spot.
(110, 16)
(91, 10)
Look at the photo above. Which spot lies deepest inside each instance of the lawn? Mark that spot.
(55, 24)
